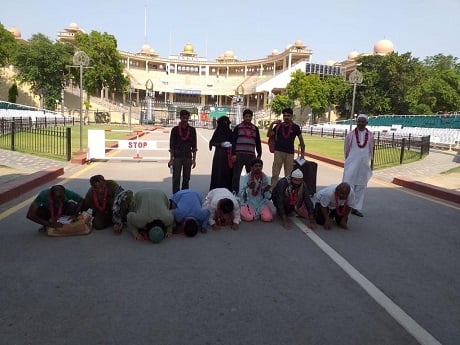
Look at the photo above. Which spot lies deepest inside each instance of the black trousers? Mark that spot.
(181, 166)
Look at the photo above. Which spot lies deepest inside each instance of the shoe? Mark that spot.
(204, 230)
(356, 212)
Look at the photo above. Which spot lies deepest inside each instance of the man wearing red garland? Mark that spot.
(53, 203)
(290, 196)
(359, 149)
(285, 134)
(334, 202)
(246, 142)
(255, 194)
(109, 201)
(224, 209)
(182, 151)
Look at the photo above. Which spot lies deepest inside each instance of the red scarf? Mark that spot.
(187, 135)
(258, 179)
(55, 217)
(366, 138)
(223, 219)
(340, 210)
(104, 199)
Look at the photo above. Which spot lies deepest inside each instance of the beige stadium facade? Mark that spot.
(187, 79)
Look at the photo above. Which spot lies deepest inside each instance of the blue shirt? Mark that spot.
(188, 204)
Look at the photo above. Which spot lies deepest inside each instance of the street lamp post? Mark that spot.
(149, 98)
(356, 77)
(81, 59)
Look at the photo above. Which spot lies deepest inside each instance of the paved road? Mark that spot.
(391, 279)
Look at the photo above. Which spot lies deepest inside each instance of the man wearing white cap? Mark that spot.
(359, 149)
(290, 196)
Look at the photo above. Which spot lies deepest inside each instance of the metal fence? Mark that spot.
(391, 149)
(42, 136)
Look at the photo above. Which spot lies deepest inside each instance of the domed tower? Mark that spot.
(353, 55)
(383, 47)
(188, 50)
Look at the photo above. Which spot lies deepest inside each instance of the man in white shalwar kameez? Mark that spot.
(358, 149)
(224, 208)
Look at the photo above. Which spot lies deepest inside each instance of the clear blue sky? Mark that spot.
(251, 29)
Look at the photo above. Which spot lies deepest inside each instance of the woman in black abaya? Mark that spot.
(221, 173)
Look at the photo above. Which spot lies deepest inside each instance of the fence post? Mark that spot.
(401, 156)
(69, 143)
(13, 126)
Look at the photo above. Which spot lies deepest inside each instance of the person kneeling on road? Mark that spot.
(149, 205)
(334, 202)
(53, 203)
(290, 196)
(189, 214)
(223, 207)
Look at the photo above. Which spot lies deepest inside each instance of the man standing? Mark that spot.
(182, 151)
(246, 141)
(290, 196)
(334, 202)
(284, 133)
(359, 149)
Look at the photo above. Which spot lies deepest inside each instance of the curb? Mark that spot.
(425, 188)
(15, 188)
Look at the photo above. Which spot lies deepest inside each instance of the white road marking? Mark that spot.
(409, 324)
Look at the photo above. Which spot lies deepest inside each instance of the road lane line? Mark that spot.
(409, 324)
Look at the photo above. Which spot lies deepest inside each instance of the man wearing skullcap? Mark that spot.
(358, 149)
(290, 196)
(150, 208)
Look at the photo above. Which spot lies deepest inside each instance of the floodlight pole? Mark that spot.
(239, 102)
(81, 59)
(356, 77)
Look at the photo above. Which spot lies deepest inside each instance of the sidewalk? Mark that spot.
(25, 172)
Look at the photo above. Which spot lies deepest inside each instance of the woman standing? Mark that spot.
(221, 173)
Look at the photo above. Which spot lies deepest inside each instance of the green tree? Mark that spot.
(440, 91)
(42, 63)
(106, 68)
(388, 83)
(308, 90)
(8, 45)
(338, 94)
(280, 102)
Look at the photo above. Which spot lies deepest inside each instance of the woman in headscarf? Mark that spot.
(221, 173)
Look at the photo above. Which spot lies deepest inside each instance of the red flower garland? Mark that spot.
(257, 186)
(187, 135)
(104, 199)
(288, 133)
(55, 217)
(340, 210)
(366, 138)
(248, 130)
